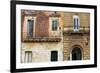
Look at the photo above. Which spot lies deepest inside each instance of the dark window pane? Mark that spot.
(54, 56)
(74, 24)
(77, 23)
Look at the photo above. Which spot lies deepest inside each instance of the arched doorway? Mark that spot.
(76, 54)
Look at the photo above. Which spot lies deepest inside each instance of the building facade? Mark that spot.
(76, 36)
(54, 36)
(41, 36)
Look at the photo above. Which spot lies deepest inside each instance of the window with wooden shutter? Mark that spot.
(28, 56)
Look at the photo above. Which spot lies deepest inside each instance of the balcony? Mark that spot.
(82, 30)
(51, 37)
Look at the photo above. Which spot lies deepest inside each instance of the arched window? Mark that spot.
(76, 54)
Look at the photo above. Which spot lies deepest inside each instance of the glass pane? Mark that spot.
(54, 24)
(30, 28)
(76, 23)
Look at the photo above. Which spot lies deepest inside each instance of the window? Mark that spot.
(30, 24)
(54, 56)
(28, 56)
(54, 24)
(76, 23)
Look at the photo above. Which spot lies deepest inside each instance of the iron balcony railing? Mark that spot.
(53, 36)
(81, 29)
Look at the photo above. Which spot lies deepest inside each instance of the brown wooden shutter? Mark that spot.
(42, 24)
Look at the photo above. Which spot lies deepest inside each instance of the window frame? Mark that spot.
(26, 22)
(28, 27)
(53, 19)
(54, 24)
(28, 53)
(52, 60)
(76, 23)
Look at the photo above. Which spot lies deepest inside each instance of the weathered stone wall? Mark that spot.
(67, 18)
(41, 52)
(79, 41)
